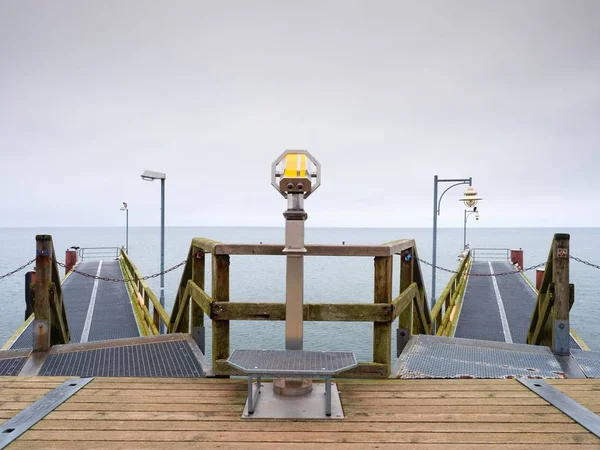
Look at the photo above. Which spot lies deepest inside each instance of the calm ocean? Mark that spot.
(327, 280)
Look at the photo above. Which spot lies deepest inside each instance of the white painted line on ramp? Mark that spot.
(85, 334)
(507, 336)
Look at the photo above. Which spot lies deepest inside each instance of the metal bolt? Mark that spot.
(561, 326)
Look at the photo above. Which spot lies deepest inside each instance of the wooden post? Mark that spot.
(560, 312)
(405, 320)
(41, 306)
(382, 331)
(220, 293)
(198, 270)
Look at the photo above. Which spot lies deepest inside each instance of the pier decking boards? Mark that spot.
(380, 414)
(497, 308)
(96, 309)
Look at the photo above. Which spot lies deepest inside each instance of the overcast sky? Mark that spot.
(384, 94)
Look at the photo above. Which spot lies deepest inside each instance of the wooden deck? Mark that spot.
(383, 414)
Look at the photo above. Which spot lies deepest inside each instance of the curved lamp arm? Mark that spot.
(442, 196)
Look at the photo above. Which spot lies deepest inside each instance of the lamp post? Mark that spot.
(124, 208)
(436, 212)
(467, 215)
(149, 175)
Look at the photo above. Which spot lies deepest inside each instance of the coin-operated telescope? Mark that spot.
(295, 174)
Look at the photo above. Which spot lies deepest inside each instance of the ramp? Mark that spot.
(497, 308)
(96, 309)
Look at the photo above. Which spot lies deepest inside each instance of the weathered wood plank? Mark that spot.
(400, 245)
(295, 436)
(200, 298)
(349, 312)
(354, 415)
(220, 293)
(406, 279)
(382, 332)
(404, 302)
(198, 279)
(313, 426)
(311, 250)
(149, 407)
(207, 245)
(290, 446)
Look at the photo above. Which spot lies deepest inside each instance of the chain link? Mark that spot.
(587, 263)
(17, 269)
(512, 272)
(121, 280)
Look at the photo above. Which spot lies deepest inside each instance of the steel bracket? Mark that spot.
(561, 338)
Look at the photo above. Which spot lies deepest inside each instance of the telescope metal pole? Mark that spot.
(294, 249)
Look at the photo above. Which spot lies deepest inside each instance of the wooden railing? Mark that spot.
(550, 321)
(147, 307)
(50, 317)
(448, 304)
(411, 306)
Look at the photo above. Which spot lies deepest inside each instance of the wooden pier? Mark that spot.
(112, 413)
(441, 391)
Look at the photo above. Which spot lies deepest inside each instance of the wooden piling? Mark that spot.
(382, 337)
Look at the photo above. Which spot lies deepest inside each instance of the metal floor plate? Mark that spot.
(588, 361)
(28, 417)
(171, 359)
(439, 357)
(311, 406)
(291, 361)
(11, 366)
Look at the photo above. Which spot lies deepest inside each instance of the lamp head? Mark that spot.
(150, 175)
(295, 170)
(470, 197)
(124, 208)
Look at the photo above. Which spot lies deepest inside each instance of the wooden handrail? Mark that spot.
(448, 322)
(151, 320)
(193, 302)
(447, 298)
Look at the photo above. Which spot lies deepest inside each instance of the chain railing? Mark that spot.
(587, 263)
(120, 280)
(18, 269)
(500, 274)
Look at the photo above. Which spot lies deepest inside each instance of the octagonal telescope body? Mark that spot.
(296, 170)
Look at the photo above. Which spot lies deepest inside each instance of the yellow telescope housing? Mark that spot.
(295, 170)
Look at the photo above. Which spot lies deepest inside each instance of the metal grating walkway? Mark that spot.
(112, 316)
(11, 362)
(481, 316)
(588, 361)
(441, 357)
(170, 356)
